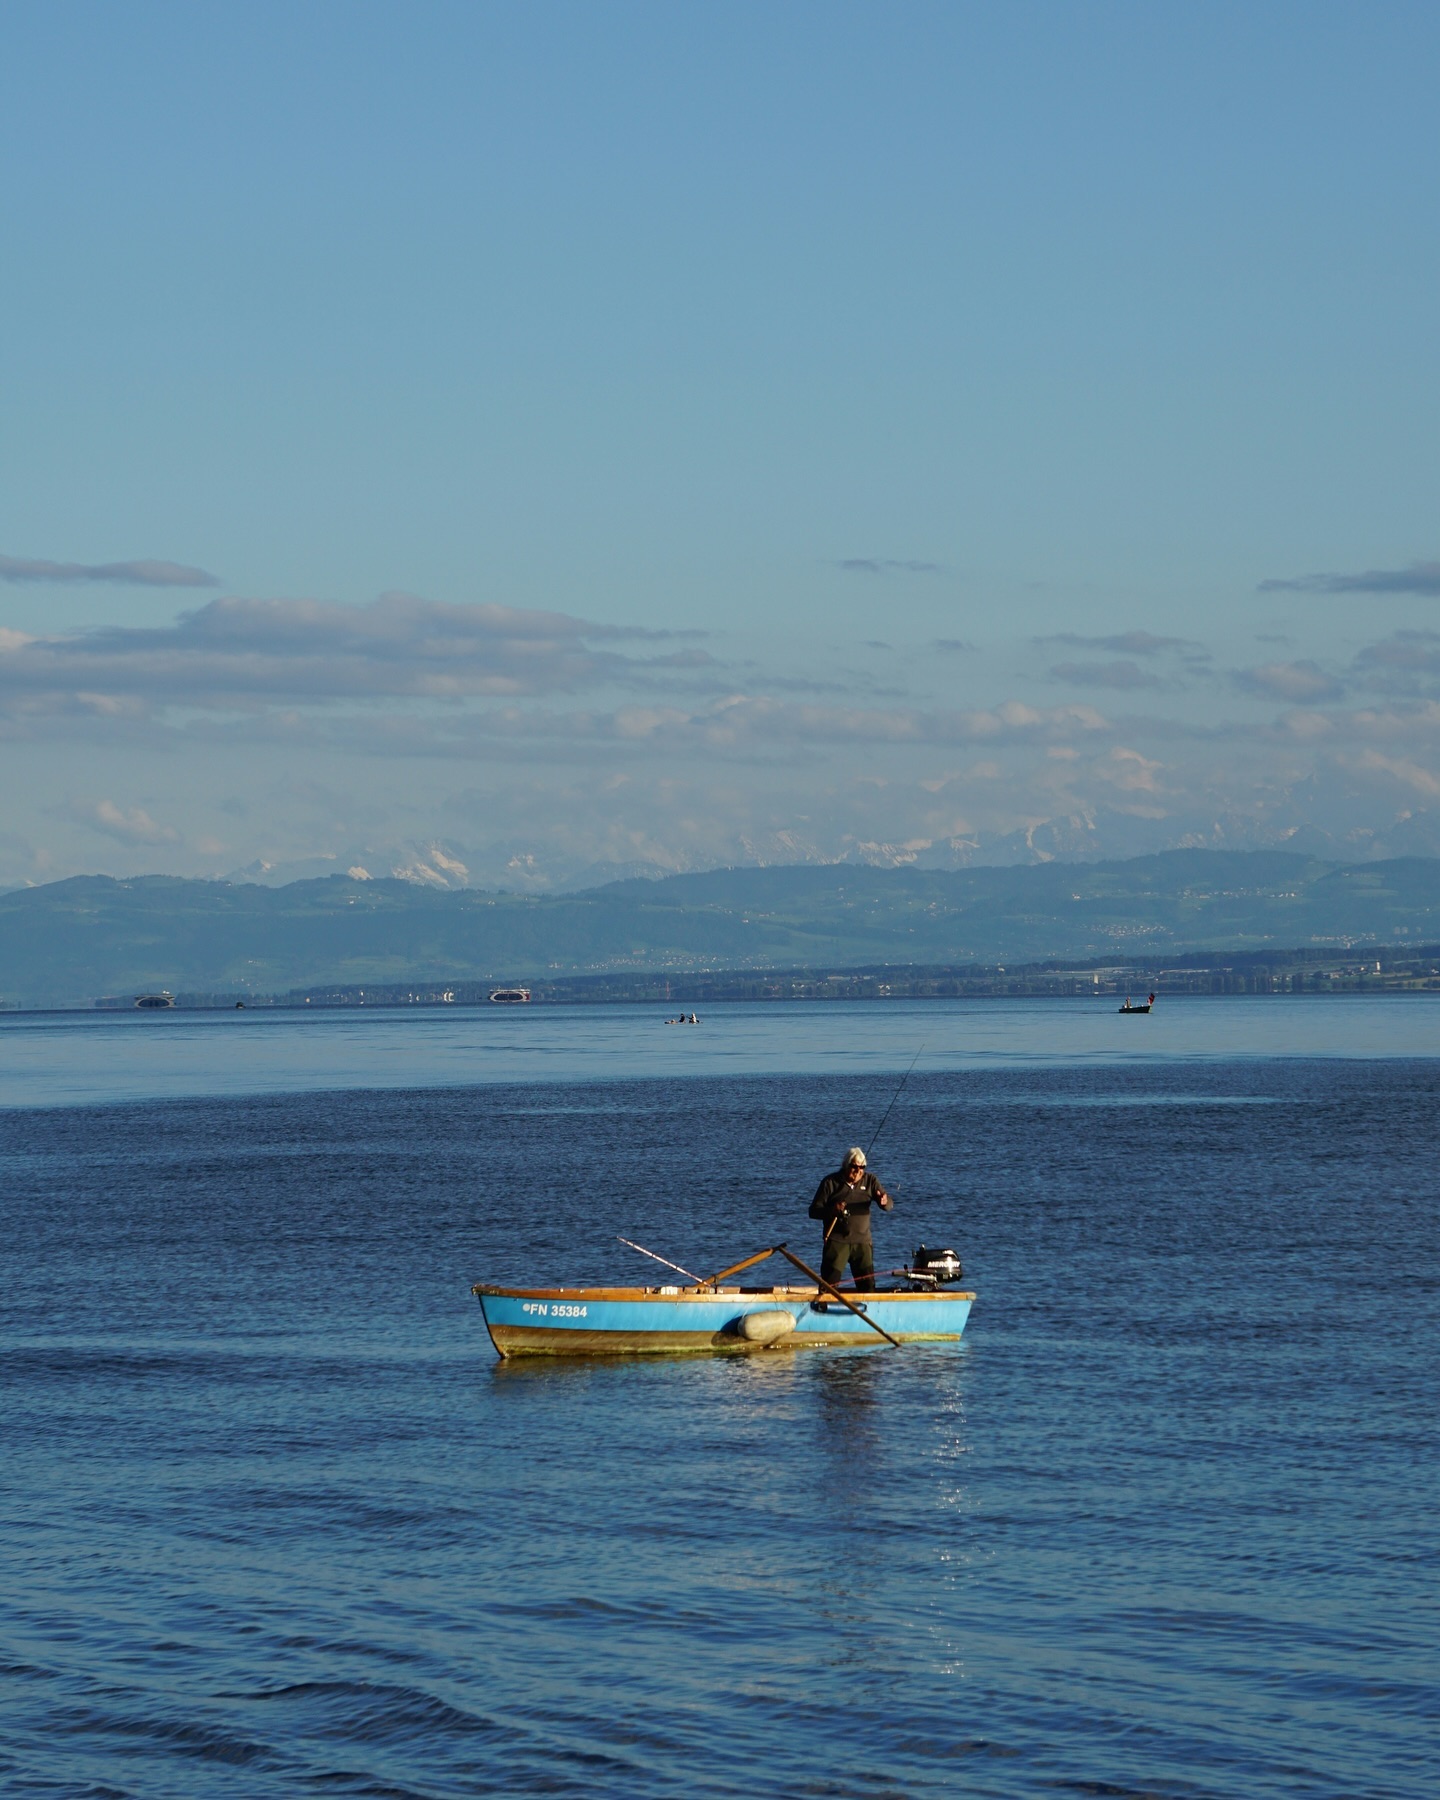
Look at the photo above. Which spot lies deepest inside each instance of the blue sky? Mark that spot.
(672, 435)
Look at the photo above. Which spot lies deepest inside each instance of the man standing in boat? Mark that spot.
(843, 1200)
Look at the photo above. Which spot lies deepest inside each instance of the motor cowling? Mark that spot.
(937, 1265)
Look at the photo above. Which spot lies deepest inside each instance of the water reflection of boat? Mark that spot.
(510, 996)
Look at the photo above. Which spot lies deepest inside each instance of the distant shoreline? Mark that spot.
(1182, 921)
(1371, 969)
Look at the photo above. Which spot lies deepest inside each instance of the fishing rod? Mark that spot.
(894, 1097)
(835, 1220)
(661, 1259)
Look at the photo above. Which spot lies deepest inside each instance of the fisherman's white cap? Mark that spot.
(855, 1159)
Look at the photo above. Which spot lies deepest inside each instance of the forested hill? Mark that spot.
(72, 941)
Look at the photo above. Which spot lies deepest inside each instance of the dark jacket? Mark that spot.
(858, 1200)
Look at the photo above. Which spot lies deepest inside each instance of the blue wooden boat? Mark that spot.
(636, 1321)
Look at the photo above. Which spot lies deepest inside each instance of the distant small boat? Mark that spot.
(510, 996)
(1129, 1008)
(685, 1019)
(155, 1002)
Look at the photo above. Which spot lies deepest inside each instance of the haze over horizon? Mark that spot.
(505, 445)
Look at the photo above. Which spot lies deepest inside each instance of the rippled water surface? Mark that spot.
(275, 1521)
(70, 1058)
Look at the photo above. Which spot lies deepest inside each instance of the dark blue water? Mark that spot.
(275, 1522)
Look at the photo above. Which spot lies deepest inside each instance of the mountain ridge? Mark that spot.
(72, 941)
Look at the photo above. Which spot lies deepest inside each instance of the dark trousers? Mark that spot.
(858, 1253)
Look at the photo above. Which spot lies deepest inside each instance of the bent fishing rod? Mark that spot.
(881, 1126)
(893, 1098)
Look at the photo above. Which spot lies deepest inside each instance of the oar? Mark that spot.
(820, 1281)
(805, 1269)
(735, 1268)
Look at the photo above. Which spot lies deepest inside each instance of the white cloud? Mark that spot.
(1409, 774)
(127, 574)
(127, 826)
(1123, 674)
(507, 743)
(1129, 770)
(1420, 578)
(1294, 681)
(1124, 643)
(888, 565)
(237, 651)
(1413, 723)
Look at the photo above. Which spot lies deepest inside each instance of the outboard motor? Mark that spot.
(935, 1267)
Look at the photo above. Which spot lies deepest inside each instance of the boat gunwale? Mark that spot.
(712, 1295)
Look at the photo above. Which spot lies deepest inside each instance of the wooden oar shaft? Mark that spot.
(829, 1288)
(749, 1263)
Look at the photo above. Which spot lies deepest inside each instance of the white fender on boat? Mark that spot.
(766, 1327)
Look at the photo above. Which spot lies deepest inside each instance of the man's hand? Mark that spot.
(885, 1201)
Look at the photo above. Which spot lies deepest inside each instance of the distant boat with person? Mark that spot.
(1130, 1007)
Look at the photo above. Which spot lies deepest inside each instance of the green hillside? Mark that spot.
(72, 941)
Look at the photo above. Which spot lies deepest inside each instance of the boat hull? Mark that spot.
(647, 1321)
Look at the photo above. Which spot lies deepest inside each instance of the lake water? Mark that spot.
(275, 1521)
